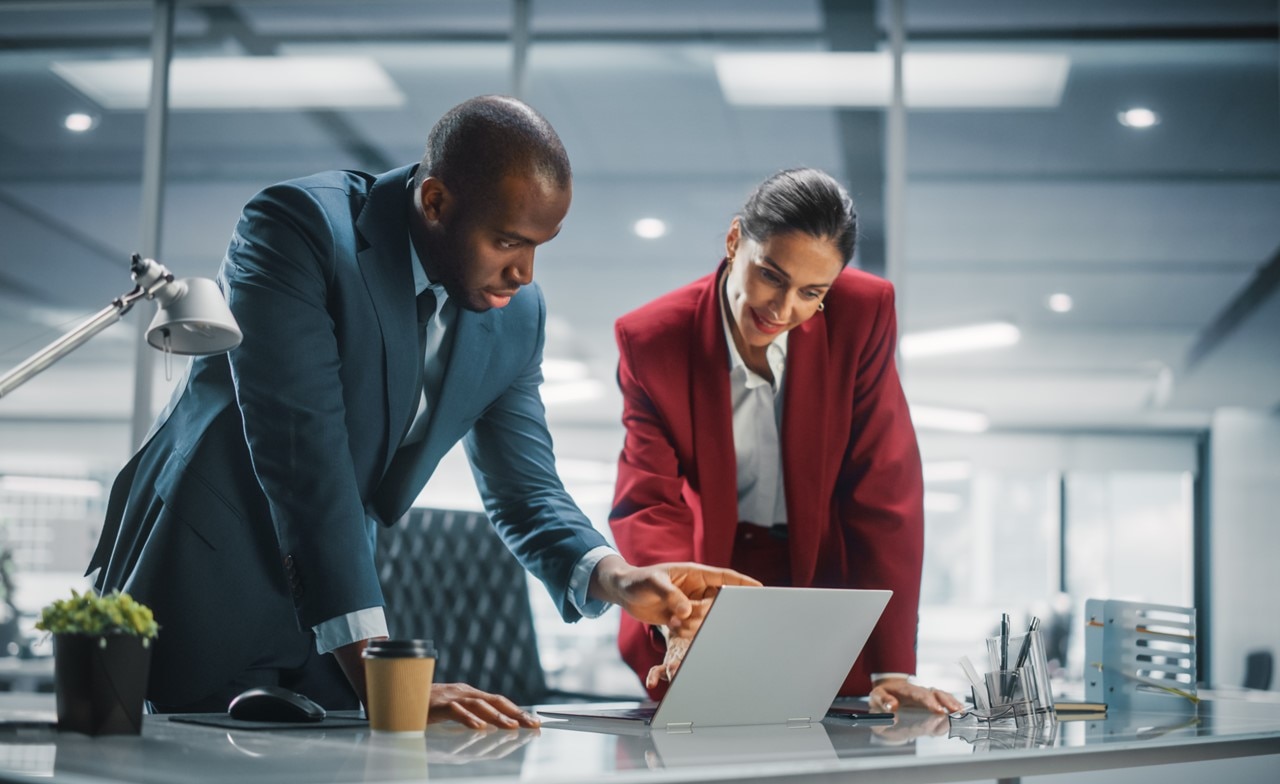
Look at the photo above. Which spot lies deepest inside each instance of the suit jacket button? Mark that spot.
(288, 562)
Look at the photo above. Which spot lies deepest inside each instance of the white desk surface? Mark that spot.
(919, 748)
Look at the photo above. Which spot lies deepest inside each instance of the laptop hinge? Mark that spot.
(680, 727)
(793, 723)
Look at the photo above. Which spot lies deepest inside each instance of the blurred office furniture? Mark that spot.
(447, 577)
(1140, 656)
(1258, 667)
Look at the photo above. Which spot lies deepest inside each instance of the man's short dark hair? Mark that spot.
(478, 142)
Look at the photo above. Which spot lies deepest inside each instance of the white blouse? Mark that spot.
(757, 423)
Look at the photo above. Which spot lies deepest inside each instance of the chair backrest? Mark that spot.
(447, 577)
(1258, 666)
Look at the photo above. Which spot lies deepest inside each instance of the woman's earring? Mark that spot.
(822, 306)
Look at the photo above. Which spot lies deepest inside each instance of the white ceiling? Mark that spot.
(1154, 234)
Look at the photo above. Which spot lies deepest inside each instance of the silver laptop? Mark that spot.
(762, 656)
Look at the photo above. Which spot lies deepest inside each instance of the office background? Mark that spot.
(1118, 436)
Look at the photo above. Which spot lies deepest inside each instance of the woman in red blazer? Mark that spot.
(767, 430)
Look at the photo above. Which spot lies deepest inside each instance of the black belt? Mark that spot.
(776, 531)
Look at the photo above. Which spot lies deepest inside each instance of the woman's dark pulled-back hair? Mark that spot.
(481, 140)
(804, 200)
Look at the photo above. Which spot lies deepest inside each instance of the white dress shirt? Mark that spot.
(757, 427)
(372, 621)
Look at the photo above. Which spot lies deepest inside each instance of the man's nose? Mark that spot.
(520, 273)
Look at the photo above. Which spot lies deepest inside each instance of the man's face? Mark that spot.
(481, 247)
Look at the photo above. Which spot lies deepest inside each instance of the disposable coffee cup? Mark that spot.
(398, 676)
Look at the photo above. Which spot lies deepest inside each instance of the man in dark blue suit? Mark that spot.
(385, 318)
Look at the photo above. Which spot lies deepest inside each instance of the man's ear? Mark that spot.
(436, 201)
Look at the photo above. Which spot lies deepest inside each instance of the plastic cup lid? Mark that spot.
(399, 649)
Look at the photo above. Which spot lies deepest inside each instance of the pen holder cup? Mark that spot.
(1011, 695)
(1028, 664)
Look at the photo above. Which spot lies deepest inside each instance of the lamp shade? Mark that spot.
(193, 318)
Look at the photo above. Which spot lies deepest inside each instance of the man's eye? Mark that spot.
(507, 244)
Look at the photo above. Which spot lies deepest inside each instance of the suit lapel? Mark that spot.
(804, 444)
(384, 262)
(712, 409)
(468, 360)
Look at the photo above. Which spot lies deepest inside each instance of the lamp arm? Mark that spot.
(70, 341)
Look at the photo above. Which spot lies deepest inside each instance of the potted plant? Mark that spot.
(101, 655)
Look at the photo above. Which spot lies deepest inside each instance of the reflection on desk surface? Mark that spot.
(169, 751)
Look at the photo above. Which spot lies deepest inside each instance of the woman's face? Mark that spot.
(776, 285)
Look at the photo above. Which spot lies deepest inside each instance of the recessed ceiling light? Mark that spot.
(1060, 303)
(650, 228)
(1139, 117)
(930, 79)
(976, 337)
(238, 82)
(79, 122)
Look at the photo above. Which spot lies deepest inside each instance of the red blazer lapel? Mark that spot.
(805, 445)
(712, 408)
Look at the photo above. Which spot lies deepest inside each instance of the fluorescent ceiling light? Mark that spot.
(953, 419)
(571, 470)
(931, 80)
(562, 392)
(942, 502)
(947, 470)
(555, 370)
(50, 485)
(238, 82)
(957, 340)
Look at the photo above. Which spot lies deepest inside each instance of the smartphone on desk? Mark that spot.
(854, 715)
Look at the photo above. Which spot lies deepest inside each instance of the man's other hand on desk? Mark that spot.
(675, 595)
(476, 709)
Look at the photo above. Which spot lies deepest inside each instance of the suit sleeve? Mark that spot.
(277, 275)
(880, 495)
(651, 520)
(510, 452)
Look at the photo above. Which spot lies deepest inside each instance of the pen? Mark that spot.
(1026, 643)
(1004, 641)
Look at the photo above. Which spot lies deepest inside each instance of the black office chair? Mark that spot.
(447, 577)
(1258, 666)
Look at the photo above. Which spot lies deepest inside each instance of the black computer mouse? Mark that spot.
(273, 703)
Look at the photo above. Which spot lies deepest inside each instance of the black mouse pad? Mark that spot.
(335, 720)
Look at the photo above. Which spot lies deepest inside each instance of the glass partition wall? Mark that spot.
(1086, 190)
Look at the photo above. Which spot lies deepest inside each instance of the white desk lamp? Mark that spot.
(191, 318)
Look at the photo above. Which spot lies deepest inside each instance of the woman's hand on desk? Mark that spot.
(476, 709)
(890, 694)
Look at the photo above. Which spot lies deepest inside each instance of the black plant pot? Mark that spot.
(101, 683)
